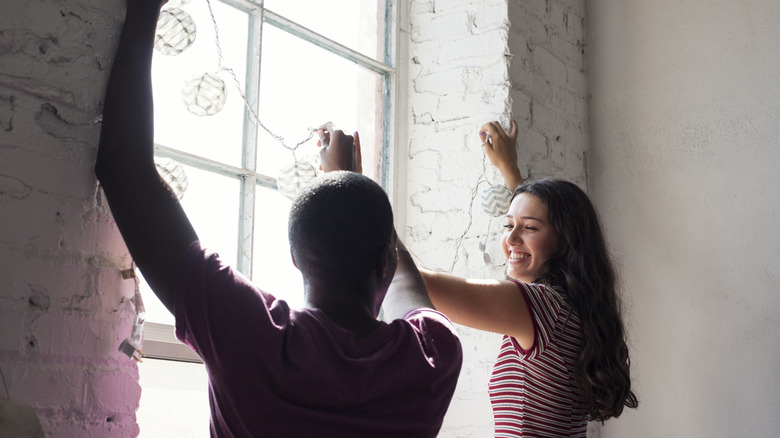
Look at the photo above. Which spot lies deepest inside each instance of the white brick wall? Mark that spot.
(63, 306)
(470, 62)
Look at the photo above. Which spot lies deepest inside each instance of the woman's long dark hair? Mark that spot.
(584, 270)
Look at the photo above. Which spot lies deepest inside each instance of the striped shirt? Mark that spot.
(533, 391)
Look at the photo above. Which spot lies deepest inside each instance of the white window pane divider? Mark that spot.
(212, 166)
(296, 29)
(249, 150)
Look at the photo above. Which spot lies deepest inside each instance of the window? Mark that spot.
(300, 64)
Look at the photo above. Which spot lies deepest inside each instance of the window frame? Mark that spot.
(159, 340)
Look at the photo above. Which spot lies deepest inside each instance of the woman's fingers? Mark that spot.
(323, 132)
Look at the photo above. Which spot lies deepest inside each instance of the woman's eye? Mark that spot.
(508, 226)
(530, 228)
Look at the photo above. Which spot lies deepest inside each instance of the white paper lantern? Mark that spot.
(175, 31)
(204, 95)
(313, 160)
(294, 177)
(173, 174)
(496, 200)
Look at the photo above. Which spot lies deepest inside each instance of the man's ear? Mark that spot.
(292, 257)
(388, 261)
(385, 267)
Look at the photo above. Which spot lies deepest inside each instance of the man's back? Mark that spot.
(277, 372)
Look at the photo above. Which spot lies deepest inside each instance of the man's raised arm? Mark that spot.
(150, 218)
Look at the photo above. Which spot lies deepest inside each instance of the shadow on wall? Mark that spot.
(18, 420)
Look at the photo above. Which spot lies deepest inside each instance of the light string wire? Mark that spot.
(254, 117)
(459, 240)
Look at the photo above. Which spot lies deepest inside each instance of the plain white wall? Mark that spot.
(683, 166)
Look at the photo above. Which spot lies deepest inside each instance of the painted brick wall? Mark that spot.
(63, 306)
(470, 62)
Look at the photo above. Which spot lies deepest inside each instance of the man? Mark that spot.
(330, 369)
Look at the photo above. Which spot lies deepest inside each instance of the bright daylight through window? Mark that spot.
(300, 64)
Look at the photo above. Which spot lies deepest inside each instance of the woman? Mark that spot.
(564, 359)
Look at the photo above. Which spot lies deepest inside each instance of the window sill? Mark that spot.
(161, 343)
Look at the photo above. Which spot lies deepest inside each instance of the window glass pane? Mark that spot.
(357, 24)
(211, 203)
(304, 86)
(272, 268)
(174, 401)
(217, 137)
(155, 311)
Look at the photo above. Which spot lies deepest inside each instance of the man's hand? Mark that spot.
(339, 151)
(501, 149)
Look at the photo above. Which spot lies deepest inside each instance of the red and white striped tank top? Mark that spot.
(533, 392)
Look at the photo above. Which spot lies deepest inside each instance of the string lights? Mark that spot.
(204, 95)
(173, 174)
(496, 199)
(176, 32)
(295, 177)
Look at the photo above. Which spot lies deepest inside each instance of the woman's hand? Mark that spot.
(501, 149)
(339, 151)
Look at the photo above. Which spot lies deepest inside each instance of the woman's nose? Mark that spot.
(514, 236)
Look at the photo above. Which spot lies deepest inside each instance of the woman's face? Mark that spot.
(529, 239)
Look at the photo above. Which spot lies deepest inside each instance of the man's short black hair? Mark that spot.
(339, 226)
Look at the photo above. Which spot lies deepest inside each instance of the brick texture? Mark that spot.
(63, 306)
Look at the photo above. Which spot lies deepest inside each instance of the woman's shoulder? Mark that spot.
(554, 292)
(542, 295)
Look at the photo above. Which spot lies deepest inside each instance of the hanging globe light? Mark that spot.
(294, 177)
(496, 200)
(173, 174)
(204, 95)
(175, 31)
